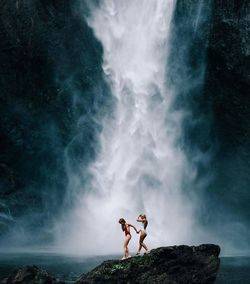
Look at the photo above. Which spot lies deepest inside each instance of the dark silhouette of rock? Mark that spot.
(30, 274)
(174, 264)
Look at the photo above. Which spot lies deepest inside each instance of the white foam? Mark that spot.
(140, 167)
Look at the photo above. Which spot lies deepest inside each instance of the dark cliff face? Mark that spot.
(227, 87)
(212, 38)
(48, 54)
(34, 120)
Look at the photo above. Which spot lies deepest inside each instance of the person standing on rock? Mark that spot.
(143, 233)
(126, 229)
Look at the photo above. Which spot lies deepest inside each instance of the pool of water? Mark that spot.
(233, 270)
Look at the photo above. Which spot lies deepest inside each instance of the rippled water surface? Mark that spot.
(234, 270)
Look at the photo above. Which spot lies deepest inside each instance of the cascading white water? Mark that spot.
(140, 166)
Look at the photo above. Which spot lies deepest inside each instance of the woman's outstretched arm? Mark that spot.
(130, 225)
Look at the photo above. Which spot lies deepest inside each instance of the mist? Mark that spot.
(141, 164)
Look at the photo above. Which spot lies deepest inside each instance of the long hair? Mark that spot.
(122, 222)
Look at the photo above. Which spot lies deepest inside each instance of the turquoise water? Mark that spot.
(233, 270)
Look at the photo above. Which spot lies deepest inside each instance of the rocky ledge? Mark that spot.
(174, 264)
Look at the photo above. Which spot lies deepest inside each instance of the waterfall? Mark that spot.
(140, 166)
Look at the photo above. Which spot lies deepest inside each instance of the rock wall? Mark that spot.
(48, 54)
(227, 88)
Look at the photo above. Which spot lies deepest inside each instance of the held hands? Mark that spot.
(136, 230)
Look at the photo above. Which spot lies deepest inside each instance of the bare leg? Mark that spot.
(126, 251)
(141, 244)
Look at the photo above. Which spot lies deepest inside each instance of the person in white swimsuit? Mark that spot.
(143, 233)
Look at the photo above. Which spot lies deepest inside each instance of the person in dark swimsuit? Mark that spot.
(126, 229)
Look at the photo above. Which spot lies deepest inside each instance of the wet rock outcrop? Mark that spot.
(174, 264)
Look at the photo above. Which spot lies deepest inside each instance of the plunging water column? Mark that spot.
(140, 166)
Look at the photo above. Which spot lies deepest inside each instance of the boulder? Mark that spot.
(173, 264)
(30, 275)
